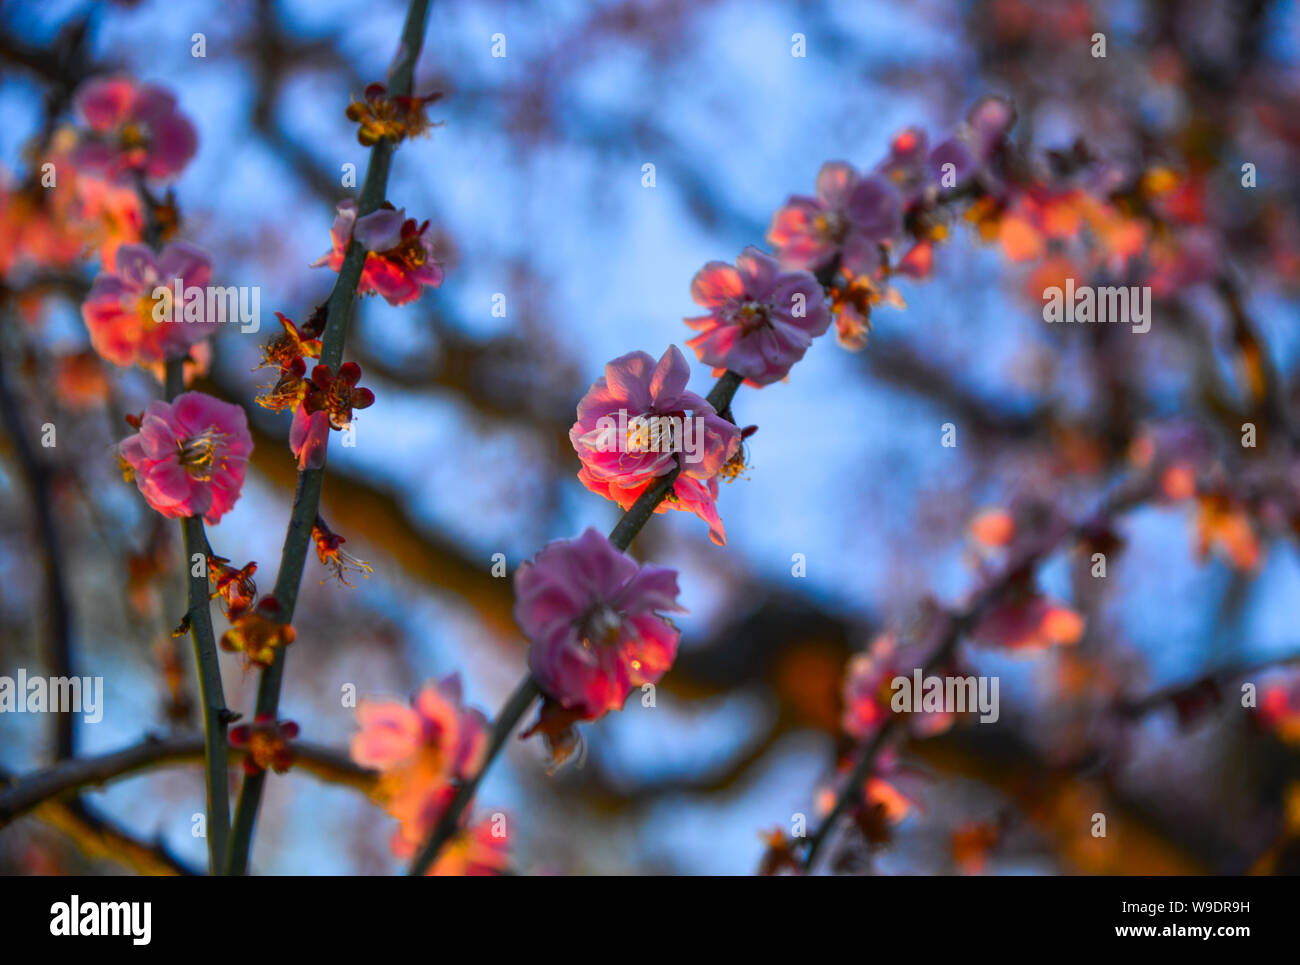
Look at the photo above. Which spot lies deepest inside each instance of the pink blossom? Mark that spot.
(472, 851)
(592, 617)
(1029, 622)
(136, 128)
(621, 458)
(130, 326)
(420, 752)
(761, 319)
(869, 692)
(400, 263)
(189, 456)
(850, 217)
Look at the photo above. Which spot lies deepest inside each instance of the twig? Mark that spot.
(307, 498)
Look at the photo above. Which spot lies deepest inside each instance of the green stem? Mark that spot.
(215, 714)
(306, 502)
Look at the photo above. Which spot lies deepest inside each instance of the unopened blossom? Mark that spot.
(395, 118)
(265, 744)
(309, 436)
(259, 634)
(594, 620)
(421, 751)
(329, 550)
(189, 457)
(850, 218)
(761, 319)
(131, 311)
(134, 129)
(635, 394)
(400, 263)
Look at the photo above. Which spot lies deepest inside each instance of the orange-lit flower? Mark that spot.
(333, 557)
(395, 118)
(292, 344)
(258, 633)
(265, 744)
(337, 395)
(1222, 523)
(235, 587)
(474, 851)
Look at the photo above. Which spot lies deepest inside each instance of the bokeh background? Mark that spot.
(534, 181)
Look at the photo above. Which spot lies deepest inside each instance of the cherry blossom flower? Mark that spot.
(234, 587)
(634, 391)
(761, 319)
(868, 692)
(472, 852)
(265, 743)
(420, 751)
(395, 118)
(259, 634)
(850, 217)
(130, 326)
(400, 263)
(189, 457)
(593, 618)
(135, 128)
(337, 395)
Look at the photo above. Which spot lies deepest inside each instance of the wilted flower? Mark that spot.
(395, 118)
(258, 633)
(337, 395)
(136, 128)
(265, 743)
(333, 557)
(647, 393)
(593, 618)
(130, 311)
(290, 345)
(190, 455)
(235, 587)
(400, 263)
(761, 319)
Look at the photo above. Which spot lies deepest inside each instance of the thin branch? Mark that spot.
(950, 629)
(70, 776)
(307, 498)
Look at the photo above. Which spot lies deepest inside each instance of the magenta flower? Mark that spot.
(421, 751)
(136, 128)
(189, 456)
(850, 217)
(761, 319)
(915, 169)
(400, 264)
(592, 618)
(132, 312)
(633, 427)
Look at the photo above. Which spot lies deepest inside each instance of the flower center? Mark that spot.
(133, 137)
(831, 225)
(601, 624)
(753, 315)
(198, 453)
